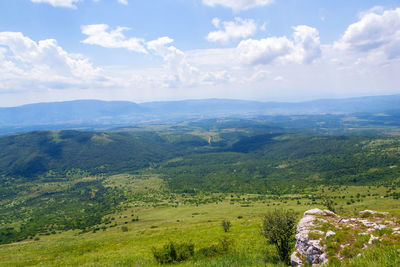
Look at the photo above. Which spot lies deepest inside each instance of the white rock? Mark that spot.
(372, 239)
(368, 211)
(318, 232)
(379, 226)
(295, 260)
(368, 224)
(306, 223)
(320, 212)
(314, 212)
(320, 220)
(330, 233)
(329, 213)
(323, 258)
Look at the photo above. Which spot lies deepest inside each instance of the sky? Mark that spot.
(158, 50)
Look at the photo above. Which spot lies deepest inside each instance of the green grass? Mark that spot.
(199, 224)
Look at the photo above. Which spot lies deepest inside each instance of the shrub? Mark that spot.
(173, 252)
(224, 246)
(329, 204)
(279, 228)
(124, 229)
(226, 225)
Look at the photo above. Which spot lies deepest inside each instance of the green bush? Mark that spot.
(224, 246)
(279, 228)
(226, 225)
(173, 252)
(329, 204)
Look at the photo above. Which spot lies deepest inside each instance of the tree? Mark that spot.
(329, 204)
(226, 225)
(279, 229)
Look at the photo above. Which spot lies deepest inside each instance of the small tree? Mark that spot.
(329, 204)
(279, 229)
(226, 225)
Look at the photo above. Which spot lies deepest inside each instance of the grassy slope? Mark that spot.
(200, 224)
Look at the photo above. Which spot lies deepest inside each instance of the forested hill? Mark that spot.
(60, 153)
(228, 160)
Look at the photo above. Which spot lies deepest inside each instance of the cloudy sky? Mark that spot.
(280, 50)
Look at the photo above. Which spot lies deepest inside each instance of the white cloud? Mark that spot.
(303, 49)
(124, 2)
(376, 33)
(99, 34)
(307, 44)
(59, 3)
(178, 71)
(232, 30)
(264, 51)
(238, 5)
(24, 61)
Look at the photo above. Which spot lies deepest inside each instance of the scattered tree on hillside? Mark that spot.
(226, 225)
(278, 228)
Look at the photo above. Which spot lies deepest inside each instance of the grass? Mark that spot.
(130, 243)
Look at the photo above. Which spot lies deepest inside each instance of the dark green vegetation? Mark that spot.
(55, 154)
(173, 252)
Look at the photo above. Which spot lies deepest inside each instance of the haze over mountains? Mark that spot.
(94, 112)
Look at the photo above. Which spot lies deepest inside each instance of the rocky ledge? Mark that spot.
(317, 230)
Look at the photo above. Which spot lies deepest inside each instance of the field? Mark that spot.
(128, 242)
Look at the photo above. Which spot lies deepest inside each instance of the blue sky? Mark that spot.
(281, 50)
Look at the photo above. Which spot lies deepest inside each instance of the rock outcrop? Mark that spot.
(318, 228)
(306, 248)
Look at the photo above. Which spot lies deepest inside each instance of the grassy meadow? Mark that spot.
(126, 241)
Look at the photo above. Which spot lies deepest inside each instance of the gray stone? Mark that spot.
(295, 260)
(372, 239)
(330, 233)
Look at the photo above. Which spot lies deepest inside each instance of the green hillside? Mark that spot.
(75, 184)
(65, 153)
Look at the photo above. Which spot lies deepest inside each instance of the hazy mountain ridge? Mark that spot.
(123, 112)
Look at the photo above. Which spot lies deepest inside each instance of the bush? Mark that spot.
(224, 246)
(173, 252)
(226, 225)
(279, 229)
(124, 229)
(329, 204)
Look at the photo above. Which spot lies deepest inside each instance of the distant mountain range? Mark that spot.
(95, 112)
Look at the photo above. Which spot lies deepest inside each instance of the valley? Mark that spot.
(110, 198)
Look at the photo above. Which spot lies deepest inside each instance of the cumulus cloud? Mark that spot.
(307, 44)
(377, 31)
(26, 61)
(238, 5)
(232, 30)
(99, 34)
(264, 51)
(178, 71)
(303, 49)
